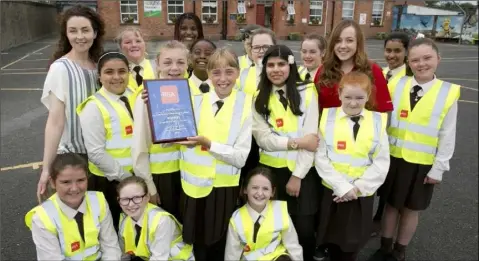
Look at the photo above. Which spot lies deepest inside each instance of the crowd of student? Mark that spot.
(286, 162)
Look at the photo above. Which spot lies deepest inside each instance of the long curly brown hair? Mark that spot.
(97, 24)
(331, 72)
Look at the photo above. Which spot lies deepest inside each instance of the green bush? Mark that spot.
(294, 36)
(381, 35)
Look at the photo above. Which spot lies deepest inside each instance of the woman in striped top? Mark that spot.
(70, 80)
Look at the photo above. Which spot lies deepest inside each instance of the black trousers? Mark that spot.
(305, 226)
(215, 252)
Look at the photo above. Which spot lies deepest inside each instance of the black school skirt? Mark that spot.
(404, 186)
(308, 201)
(169, 189)
(102, 184)
(205, 220)
(346, 224)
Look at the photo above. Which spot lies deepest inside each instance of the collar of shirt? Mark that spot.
(313, 73)
(214, 97)
(250, 62)
(276, 89)
(70, 212)
(425, 86)
(254, 215)
(116, 97)
(198, 82)
(343, 114)
(142, 64)
(140, 220)
(397, 70)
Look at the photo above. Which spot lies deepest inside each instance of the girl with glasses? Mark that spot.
(147, 232)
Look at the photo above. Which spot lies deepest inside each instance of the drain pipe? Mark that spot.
(326, 20)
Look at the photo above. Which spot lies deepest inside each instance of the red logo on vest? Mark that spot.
(279, 123)
(403, 114)
(246, 248)
(341, 145)
(130, 252)
(129, 130)
(203, 148)
(75, 246)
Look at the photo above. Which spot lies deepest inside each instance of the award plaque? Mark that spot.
(170, 110)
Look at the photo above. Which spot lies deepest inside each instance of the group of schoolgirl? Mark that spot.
(197, 182)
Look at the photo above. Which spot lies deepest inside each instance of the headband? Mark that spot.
(101, 57)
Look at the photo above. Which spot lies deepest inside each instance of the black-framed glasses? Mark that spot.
(259, 48)
(135, 199)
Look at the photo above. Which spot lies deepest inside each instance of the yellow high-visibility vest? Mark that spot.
(268, 244)
(151, 218)
(351, 158)
(118, 129)
(200, 171)
(414, 135)
(244, 61)
(66, 230)
(393, 80)
(247, 82)
(286, 124)
(149, 73)
(302, 71)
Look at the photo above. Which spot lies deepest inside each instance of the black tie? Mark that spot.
(355, 119)
(252, 65)
(138, 234)
(127, 105)
(139, 78)
(307, 77)
(204, 87)
(79, 220)
(220, 104)
(257, 225)
(414, 96)
(282, 99)
(389, 75)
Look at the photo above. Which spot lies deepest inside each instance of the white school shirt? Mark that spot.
(198, 82)
(48, 246)
(395, 71)
(94, 135)
(270, 141)
(373, 177)
(289, 238)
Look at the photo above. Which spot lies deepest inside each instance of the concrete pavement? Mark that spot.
(448, 230)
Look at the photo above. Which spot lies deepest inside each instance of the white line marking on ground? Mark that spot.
(16, 61)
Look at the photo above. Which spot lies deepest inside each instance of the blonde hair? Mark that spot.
(223, 57)
(134, 30)
(173, 44)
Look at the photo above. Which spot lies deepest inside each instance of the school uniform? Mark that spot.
(351, 153)
(63, 233)
(272, 135)
(107, 125)
(198, 86)
(422, 134)
(262, 236)
(210, 177)
(146, 70)
(156, 235)
(306, 74)
(392, 76)
(157, 164)
(245, 62)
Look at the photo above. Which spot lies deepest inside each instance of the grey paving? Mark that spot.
(447, 231)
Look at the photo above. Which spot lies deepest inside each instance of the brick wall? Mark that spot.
(24, 22)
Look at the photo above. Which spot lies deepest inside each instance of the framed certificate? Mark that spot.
(170, 110)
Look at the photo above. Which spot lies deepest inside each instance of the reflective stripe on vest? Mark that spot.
(247, 81)
(413, 135)
(268, 241)
(149, 73)
(178, 249)
(86, 250)
(199, 170)
(281, 159)
(117, 120)
(393, 80)
(302, 72)
(353, 157)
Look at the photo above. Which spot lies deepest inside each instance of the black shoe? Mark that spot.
(321, 254)
(380, 255)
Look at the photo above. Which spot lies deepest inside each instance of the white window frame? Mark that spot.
(209, 4)
(175, 4)
(377, 12)
(316, 5)
(241, 7)
(348, 9)
(291, 11)
(129, 4)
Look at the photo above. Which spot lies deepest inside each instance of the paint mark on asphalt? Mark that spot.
(33, 165)
(21, 122)
(25, 56)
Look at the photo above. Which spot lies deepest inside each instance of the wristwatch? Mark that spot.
(294, 144)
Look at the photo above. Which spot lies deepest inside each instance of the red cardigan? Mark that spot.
(329, 97)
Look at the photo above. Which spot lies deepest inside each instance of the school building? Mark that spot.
(222, 19)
